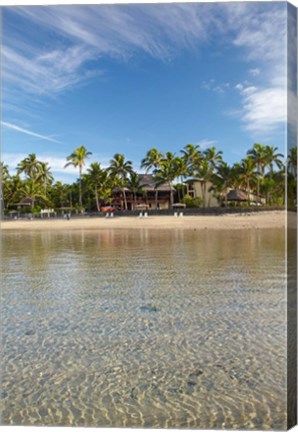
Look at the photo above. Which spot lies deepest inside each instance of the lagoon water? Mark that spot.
(143, 328)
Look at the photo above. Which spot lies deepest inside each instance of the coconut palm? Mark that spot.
(221, 181)
(272, 158)
(4, 176)
(181, 170)
(203, 172)
(258, 155)
(191, 155)
(44, 175)
(95, 176)
(32, 190)
(119, 169)
(134, 184)
(166, 173)
(248, 175)
(152, 159)
(59, 194)
(105, 187)
(78, 159)
(203, 168)
(29, 166)
(292, 161)
(213, 157)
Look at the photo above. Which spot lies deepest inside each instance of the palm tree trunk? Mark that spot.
(183, 191)
(248, 192)
(135, 200)
(203, 187)
(258, 181)
(171, 195)
(96, 198)
(80, 188)
(156, 198)
(124, 197)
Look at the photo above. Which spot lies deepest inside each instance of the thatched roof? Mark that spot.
(242, 195)
(118, 189)
(24, 202)
(149, 185)
(237, 195)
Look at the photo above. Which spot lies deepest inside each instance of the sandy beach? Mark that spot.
(274, 219)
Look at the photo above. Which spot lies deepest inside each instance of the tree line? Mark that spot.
(262, 172)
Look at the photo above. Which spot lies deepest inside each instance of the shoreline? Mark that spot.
(264, 220)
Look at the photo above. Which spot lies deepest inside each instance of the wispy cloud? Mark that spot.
(87, 33)
(214, 86)
(254, 72)
(263, 109)
(28, 132)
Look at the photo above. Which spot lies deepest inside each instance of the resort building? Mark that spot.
(148, 197)
(194, 188)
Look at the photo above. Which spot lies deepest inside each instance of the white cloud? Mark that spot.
(212, 85)
(45, 73)
(28, 132)
(263, 109)
(254, 72)
(264, 106)
(239, 86)
(87, 33)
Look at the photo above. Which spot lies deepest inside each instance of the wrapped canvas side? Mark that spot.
(292, 217)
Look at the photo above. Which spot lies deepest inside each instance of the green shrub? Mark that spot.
(192, 202)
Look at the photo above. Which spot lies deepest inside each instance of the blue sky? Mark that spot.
(125, 78)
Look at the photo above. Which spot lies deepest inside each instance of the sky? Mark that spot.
(126, 78)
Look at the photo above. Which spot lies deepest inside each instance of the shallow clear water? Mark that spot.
(144, 328)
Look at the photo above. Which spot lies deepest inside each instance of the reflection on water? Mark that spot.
(144, 328)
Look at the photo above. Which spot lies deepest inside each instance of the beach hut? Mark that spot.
(240, 195)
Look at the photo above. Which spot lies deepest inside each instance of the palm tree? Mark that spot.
(272, 158)
(59, 194)
(4, 176)
(134, 184)
(248, 175)
(152, 160)
(95, 175)
(258, 155)
(44, 175)
(222, 180)
(106, 186)
(181, 170)
(213, 157)
(166, 173)
(292, 161)
(204, 167)
(12, 193)
(77, 159)
(29, 166)
(32, 190)
(203, 173)
(191, 155)
(119, 170)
